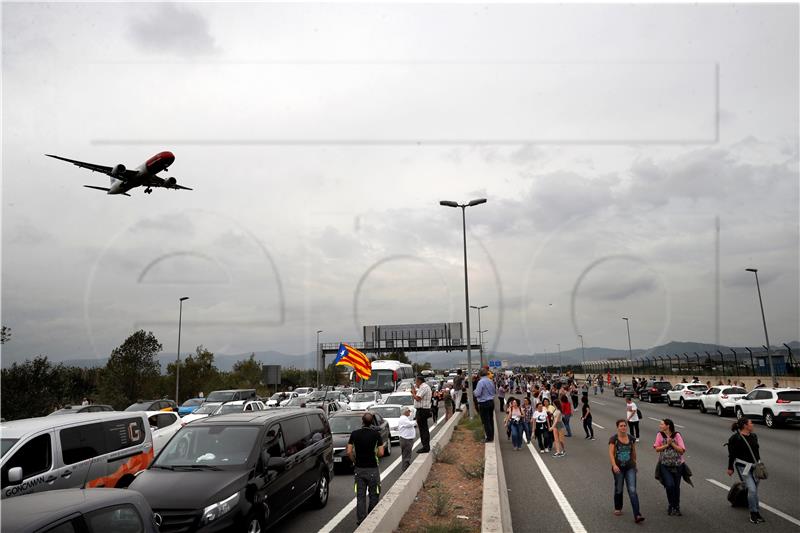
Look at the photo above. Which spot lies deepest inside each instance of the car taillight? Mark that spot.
(780, 400)
(689, 393)
(724, 396)
(654, 389)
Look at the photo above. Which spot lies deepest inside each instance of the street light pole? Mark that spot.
(764, 320)
(178, 355)
(483, 363)
(448, 203)
(559, 358)
(320, 364)
(630, 350)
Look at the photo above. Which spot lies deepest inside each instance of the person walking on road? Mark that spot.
(671, 448)
(566, 412)
(363, 449)
(501, 395)
(514, 422)
(527, 415)
(632, 417)
(422, 405)
(743, 455)
(586, 418)
(458, 381)
(406, 429)
(449, 406)
(558, 430)
(541, 428)
(622, 454)
(485, 393)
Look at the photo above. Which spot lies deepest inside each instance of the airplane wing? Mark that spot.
(168, 183)
(95, 168)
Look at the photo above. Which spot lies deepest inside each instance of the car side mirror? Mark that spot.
(276, 463)
(15, 475)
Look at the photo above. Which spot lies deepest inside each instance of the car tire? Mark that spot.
(320, 497)
(387, 450)
(683, 403)
(255, 524)
(703, 408)
(769, 420)
(720, 410)
(739, 413)
(669, 401)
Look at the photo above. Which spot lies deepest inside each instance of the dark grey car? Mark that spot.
(345, 422)
(85, 510)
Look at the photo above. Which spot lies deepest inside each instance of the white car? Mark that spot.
(400, 398)
(721, 399)
(289, 396)
(302, 391)
(685, 394)
(239, 406)
(774, 406)
(201, 412)
(163, 425)
(364, 400)
(391, 413)
(406, 385)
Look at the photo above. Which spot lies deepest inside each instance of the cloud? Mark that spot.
(173, 28)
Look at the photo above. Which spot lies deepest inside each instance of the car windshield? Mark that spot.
(63, 412)
(697, 387)
(232, 408)
(363, 397)
(332, 396)
(734, 390)
(276, 396)
(315, 396)
(387, 411)
(221, 396)
(302, 390)
(400, 399)
(213, 445)
(143, 406)
(344, 424)
(6, 444)
(206, 409)
(192, 402)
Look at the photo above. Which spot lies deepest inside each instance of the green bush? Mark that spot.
(440, 500)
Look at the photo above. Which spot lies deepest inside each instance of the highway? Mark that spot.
(340, 515)
(575, 492)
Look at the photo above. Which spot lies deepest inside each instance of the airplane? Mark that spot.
(123, 180)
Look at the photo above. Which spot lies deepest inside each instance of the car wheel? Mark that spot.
(669, 401)
(683, 404)
(769, 420)
(720, 410)
(255, 525)
(387, 451)
(320, 497)
(739, 413)
(703, 408)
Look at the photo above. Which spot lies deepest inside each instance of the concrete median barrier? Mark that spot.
(496, 512)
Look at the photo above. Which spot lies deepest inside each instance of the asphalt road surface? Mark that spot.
(575, 492)
(340, 513)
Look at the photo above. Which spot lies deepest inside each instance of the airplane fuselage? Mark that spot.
(144, 173)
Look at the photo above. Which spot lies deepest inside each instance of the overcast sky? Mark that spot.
(319, 140)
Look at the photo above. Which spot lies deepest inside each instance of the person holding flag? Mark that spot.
(349, 356)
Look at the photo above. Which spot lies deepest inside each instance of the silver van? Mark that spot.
(73, 451)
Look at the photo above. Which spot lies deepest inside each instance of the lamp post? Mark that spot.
(630, 350)
(764, 320)
(472, 203)
(178, 356)
(483, 363)
(320, 362)
(559, 358)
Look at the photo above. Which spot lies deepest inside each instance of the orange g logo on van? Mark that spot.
(134, 433)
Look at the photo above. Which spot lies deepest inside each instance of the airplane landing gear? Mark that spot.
(148, 190)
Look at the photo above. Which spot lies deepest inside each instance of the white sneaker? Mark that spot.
(542, 451)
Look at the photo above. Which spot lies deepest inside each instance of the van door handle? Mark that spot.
(66, 474)
(50, 479)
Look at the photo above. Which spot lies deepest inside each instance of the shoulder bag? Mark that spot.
(760, 469)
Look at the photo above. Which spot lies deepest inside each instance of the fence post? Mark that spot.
(752, 364)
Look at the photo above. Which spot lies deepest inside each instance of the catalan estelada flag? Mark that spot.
(347, 355)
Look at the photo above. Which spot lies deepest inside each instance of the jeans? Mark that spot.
(587, 426)
(634, 429)
(526, 430)
(486, 410)
(672, 483)
(627, 475)
(366, 478)
(502, 403)
(405, 450)
(751, 483)
(575, 401)
(566, 418)
(422, 423)
(541, 436)
(516, 434)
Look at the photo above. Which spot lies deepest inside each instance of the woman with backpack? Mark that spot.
(622, 453)
(670, 447)
(743, 455)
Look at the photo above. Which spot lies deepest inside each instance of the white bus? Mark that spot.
(386, 374)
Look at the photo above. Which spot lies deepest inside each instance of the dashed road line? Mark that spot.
(599, 403)
(347, 509)
(569, 513)
(769, 508)
(598, 425)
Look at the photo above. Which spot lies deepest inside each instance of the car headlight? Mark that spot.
(216, 510)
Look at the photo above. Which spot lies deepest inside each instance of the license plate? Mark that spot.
(337, 459)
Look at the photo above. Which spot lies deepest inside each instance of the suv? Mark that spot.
(231, 395)
(774, 406)
(344, 423)
(89, 511)
(365, 400)
(623, 390)
(153, 405)
(240, 472)
(686, 394)
(720, 399)
(655, 391)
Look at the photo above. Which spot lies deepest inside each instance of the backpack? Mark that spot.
(669, 457)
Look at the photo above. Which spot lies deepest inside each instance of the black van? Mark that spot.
(240, 472)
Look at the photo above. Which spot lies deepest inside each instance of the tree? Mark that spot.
(5, 334)
(246, 373)
(198, 374)
(394, 356)
(132, 372)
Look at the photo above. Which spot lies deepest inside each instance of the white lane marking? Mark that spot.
(569, 513)
(598, 425)
(660, 419)
(771, 509)
(347, 509)
(600, 403)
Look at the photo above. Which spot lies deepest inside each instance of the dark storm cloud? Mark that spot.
(172, 28)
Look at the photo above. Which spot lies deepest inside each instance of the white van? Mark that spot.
(84, 450)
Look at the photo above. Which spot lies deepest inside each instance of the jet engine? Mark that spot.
(118, 170)
(170, 182)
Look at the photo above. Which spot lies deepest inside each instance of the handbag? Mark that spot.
(759, 468)
(669, 457)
